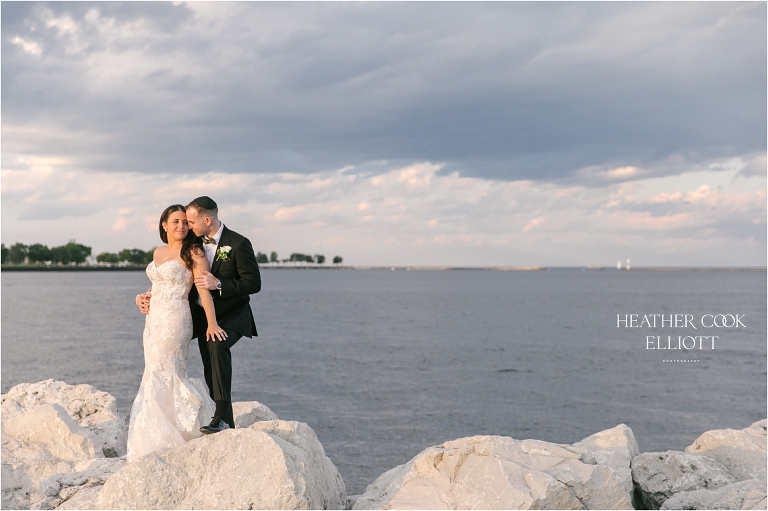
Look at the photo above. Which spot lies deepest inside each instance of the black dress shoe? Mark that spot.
(216, 425)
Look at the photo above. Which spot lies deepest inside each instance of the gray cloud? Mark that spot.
(499, 90)
(55, 209)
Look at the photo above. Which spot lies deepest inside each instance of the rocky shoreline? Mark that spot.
(63, 447)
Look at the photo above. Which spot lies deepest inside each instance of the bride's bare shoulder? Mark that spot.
(200, 260)
(198, 252)
(160, 253)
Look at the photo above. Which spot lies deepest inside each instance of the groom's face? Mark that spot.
(199, 224)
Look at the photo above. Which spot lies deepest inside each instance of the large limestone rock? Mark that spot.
(614, 448)
(60, 443)
(752, 438)
(709, 475)
(495, 472)
(743, 495)
(93, 410)
(71, 486)
(743, 452)
(49, 459)
(50, 428)
(663, 474)
(269, 465)
(249, 412)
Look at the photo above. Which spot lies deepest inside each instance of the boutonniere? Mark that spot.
(222, 253)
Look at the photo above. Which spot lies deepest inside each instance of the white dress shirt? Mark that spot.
(210, 250)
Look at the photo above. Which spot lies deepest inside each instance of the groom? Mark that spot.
(234, 275)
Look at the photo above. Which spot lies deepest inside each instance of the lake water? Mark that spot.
(382, 364)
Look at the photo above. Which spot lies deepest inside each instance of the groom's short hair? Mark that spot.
(205, 206)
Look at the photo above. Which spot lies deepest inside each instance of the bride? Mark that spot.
(170, 408)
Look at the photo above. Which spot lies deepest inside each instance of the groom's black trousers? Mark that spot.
(217, 367)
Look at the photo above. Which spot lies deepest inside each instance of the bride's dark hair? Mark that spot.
(191, 244)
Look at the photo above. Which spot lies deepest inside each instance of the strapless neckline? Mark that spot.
(168, 261)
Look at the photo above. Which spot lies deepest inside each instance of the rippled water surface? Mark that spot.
(382, 364)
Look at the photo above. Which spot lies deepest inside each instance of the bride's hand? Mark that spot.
(215, 333)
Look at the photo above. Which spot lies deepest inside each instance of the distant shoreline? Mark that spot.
(28, 268)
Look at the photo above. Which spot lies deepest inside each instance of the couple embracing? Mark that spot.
(201, 280)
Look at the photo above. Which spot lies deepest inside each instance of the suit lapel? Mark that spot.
(223, 241)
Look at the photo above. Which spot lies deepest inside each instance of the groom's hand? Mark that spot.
(206, 280)
(142, 301)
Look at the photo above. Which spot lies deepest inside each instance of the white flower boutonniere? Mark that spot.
(222, 253)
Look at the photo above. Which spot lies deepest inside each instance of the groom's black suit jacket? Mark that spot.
(239, 276)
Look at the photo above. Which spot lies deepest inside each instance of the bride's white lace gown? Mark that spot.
(170, 408)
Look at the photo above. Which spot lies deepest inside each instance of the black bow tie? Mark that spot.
(208, 241)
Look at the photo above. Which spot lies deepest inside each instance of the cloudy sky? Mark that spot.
(394, 133)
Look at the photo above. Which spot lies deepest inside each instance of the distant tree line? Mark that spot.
(74, 252)
(295, 257)
(262, 258)
(132, 255)
(19, 253)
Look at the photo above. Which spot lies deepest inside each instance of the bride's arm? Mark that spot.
(214, 332)
(142, 300)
